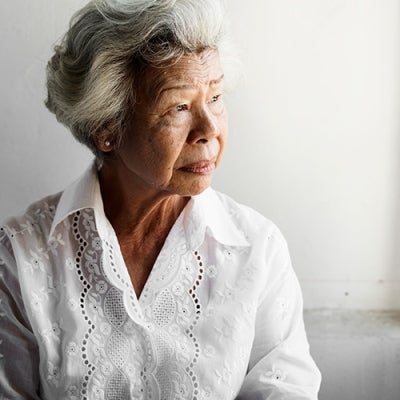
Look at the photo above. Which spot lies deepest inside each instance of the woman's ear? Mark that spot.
(103, 140)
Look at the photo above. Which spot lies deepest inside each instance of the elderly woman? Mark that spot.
(139, 281)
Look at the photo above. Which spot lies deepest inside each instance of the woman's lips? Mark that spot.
(203, 167)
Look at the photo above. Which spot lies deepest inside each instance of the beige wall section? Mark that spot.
(314, 138)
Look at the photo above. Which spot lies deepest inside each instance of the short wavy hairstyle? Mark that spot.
(92, 76)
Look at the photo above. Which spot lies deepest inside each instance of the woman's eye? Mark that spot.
(215, 98)
(182, 107)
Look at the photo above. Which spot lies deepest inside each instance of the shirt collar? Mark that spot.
(83, 193)
(204, 213)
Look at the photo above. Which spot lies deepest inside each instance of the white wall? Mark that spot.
(37, 155)
(314, 138)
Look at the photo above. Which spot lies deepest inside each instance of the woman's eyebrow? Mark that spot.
(217, 81)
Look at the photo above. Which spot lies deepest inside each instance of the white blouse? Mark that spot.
(220, 316)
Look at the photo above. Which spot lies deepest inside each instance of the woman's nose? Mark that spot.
(205, 127)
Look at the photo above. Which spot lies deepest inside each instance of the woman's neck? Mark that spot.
(136, 213)
(141, 220)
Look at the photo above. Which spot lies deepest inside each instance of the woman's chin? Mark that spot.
(194, 188)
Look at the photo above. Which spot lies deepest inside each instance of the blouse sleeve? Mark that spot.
(19, 359)
(280, 367)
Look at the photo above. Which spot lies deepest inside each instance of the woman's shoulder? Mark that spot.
(36, 220)
(247, 219)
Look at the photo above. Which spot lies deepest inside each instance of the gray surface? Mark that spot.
(358, 353)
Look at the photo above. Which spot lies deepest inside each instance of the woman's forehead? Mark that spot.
(191, 71)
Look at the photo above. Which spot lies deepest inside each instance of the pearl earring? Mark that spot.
(107, 143)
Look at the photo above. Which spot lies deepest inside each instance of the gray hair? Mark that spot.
(92, 75)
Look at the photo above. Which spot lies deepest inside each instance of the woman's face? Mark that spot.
(177, 132)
